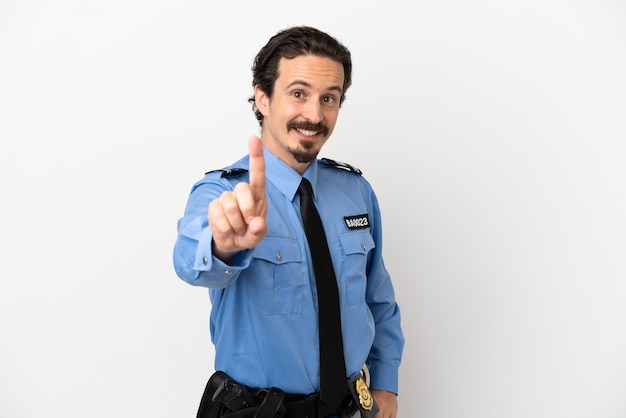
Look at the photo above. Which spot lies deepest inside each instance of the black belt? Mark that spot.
(224, 397)
(305, 406)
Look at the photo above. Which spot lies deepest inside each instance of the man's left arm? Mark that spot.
(386, 352)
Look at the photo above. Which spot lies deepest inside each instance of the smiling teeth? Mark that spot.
(307, 133)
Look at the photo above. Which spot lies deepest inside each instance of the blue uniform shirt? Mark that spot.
(264, 306)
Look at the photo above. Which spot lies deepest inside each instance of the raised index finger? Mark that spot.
(257, 169)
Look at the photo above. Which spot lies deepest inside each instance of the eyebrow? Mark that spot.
(307, 84)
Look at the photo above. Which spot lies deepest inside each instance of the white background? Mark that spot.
(493, 131)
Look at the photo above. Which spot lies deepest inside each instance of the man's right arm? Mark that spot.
(194, 259)
(221, 223)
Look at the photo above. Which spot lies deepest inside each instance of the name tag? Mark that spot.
(357, 222)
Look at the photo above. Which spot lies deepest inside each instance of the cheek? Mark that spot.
(281, 113)
(331, 118)
(290, 111)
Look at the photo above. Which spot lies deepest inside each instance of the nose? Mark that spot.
(312, 111)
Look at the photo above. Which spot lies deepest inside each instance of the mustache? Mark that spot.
(308, 126)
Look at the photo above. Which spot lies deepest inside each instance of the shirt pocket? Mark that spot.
(277, 282)
(356, 246)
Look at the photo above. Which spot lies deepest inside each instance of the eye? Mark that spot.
(329, 99)
(298, 94)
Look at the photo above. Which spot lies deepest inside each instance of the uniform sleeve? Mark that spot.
(386, 353)
(193, 257)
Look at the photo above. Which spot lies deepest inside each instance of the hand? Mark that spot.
(237, 218)
(387, 404)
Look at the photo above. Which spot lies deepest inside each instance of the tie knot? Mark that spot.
(305, 188)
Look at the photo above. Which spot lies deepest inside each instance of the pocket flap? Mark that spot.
(278, 250)
(356, 242)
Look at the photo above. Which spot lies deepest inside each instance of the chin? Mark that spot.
(304, 156)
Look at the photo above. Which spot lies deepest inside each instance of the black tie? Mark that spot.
(333, 386)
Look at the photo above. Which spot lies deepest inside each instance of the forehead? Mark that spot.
(313, 70)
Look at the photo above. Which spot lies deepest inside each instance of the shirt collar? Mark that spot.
(285, 178)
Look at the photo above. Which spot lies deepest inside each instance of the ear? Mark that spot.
(261, 100)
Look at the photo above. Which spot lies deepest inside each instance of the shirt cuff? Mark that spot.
(206, 261)
(383, 377)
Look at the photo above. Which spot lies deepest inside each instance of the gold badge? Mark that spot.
(365, 397)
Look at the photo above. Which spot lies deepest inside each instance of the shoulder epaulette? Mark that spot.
(229, 172)
(339, 164)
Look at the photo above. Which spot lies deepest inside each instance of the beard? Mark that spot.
(307, 153)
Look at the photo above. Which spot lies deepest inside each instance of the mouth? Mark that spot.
(308, 130)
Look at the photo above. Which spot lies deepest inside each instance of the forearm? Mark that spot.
(386, 352)
(194, 256)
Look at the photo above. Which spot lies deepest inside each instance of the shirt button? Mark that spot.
(279, 256)
(204, 261)
(228, 271)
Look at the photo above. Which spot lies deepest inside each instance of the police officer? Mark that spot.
(242, 237)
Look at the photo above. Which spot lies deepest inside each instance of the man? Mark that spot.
(242, 237)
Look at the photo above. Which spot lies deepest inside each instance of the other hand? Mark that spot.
(387, 404)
